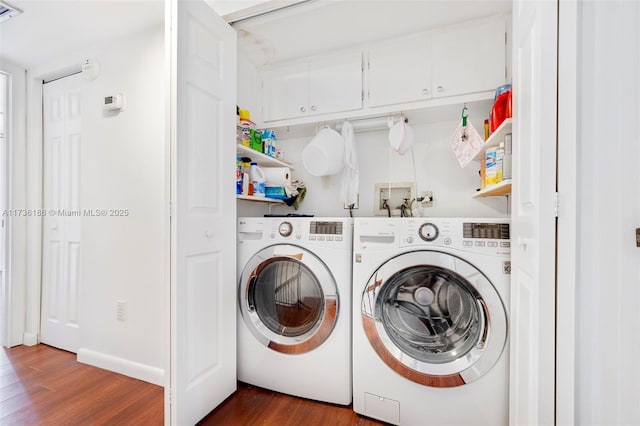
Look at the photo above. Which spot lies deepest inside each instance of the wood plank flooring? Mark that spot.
(41, 385)
(251, 405)
(47, 386)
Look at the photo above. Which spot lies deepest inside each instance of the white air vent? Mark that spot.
(7, 11)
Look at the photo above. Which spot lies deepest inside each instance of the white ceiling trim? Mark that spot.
(260, 9)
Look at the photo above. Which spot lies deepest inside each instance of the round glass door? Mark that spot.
(434, 318)
(288, 299)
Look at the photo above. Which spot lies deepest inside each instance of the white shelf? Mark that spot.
(259, 199)
(496, 138)
(502, 188)
(260, 158)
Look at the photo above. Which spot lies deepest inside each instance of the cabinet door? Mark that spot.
(469, 59)
(399, 72)
(335, 84)
(285, 92)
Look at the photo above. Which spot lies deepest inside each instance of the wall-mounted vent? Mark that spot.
(7, 11)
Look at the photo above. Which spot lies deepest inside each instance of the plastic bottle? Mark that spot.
(247, 186)
(245, 125)
(257, 177)
(490, 167)
(239, 172)
(486, 129)
(506, 161)
(499, 162)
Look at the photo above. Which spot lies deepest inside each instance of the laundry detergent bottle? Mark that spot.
(257, 177)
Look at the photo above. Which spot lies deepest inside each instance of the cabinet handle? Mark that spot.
(313, 107)
(425, 91)
(440, 89)
(302, 109)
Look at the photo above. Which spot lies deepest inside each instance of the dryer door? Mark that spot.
(434, 318)
(288, 299)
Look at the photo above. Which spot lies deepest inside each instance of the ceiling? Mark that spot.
(50, 28)
(316, 26)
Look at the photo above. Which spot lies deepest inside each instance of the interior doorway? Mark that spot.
(61, 248)
(4, 179)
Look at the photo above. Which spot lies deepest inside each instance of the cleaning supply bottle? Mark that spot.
(239, 168)
(257, 177)
(245, 125)
(247, 186)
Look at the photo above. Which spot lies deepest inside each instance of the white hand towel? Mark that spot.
(350, 174)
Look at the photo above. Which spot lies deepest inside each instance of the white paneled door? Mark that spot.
(62, 117)
(203, 223)
(533, 236)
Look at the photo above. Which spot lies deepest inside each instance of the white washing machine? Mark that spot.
(294, 306)
(430, 323)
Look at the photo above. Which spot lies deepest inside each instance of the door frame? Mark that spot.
(567, 216)
(34, 188)
(14, 293)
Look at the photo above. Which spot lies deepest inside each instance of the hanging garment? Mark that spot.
(351, 173)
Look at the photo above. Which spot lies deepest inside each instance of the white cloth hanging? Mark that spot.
(351, 173)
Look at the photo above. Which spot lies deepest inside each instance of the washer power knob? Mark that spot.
(428, 232)
(285, 229)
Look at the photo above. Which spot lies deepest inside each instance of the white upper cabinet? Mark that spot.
(399, 72)
(469, 58)
(335, 84)
(285, 91)
(313, 87)
(416, 71)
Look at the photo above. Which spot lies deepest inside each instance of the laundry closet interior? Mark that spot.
(423, 61)
(410, 317)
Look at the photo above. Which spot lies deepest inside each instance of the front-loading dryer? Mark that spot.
(294, 306)
(430, 322)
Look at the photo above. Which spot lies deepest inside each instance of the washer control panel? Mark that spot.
(489, 236)
(324, 232)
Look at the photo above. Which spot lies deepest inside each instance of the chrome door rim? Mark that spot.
(477, 361)
(324, 325)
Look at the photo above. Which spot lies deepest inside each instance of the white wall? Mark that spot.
(436, 170)
(608, 283)
(123, 167)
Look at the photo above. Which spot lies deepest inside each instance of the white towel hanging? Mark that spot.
(351, 173)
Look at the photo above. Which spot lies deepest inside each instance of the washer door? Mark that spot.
(288, 299)
(434, 318)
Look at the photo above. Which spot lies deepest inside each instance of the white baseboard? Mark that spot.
(29, 339)
(123, 366)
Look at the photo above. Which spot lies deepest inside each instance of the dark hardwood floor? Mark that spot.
(251, 405)
(41, 385)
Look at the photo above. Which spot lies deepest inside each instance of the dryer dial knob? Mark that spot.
(428, 232)
(285, 229)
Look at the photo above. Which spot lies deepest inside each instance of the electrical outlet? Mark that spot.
(393, 194)
(121, 310)
(426, 198)
(356, 205)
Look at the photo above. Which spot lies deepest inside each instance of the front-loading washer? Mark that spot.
(294, 306)
(430, 321)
